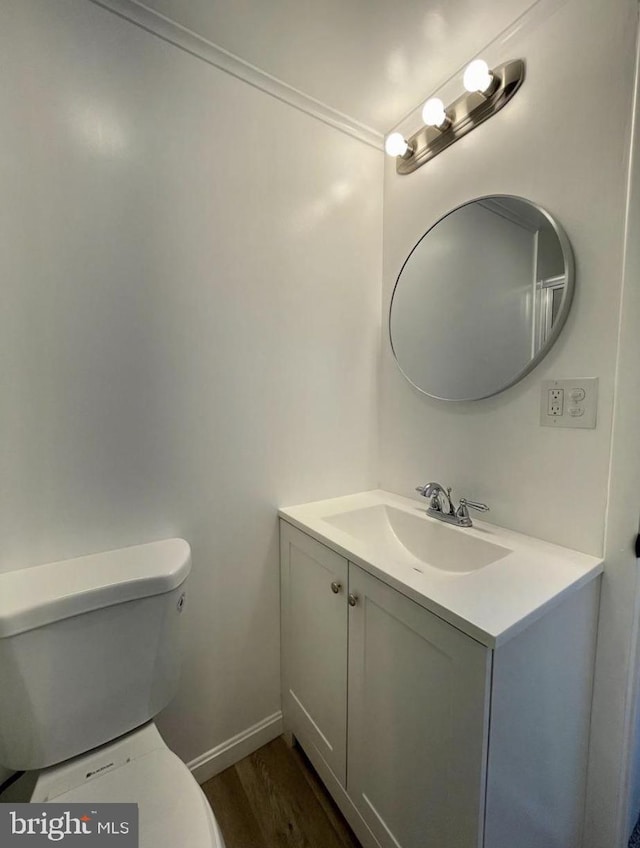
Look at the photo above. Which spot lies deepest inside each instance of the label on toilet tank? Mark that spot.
(68, 825)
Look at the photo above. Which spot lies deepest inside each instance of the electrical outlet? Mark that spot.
(555, 405)
(569, 403)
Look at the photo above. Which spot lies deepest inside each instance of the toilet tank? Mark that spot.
(89, 649)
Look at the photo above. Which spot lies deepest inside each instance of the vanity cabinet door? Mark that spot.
(418, 716)
(314, 645)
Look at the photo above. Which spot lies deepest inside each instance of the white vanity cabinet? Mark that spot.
(417, 710)
(426, 737)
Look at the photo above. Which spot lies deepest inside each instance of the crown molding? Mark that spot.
(166, 29)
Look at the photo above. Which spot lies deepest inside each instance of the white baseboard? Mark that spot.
(241, 745)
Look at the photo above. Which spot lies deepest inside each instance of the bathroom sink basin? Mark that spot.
(486, 580)
(416, 540)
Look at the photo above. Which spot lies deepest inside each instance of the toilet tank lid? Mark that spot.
(41, 594)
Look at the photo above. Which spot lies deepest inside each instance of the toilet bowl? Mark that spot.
(89, 654)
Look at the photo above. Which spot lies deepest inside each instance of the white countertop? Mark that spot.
(490, 604)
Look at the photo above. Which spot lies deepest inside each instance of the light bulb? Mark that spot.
(477, 76)
(396, 144)
(433, 113)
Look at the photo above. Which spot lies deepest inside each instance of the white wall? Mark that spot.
(189, 327)
(549, 146)
(544, 146)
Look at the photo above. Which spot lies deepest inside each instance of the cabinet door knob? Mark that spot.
(335, 587)
(353, 600)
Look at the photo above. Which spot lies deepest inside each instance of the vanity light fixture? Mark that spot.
(487, 91)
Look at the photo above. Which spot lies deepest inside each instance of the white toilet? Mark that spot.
(89, 654)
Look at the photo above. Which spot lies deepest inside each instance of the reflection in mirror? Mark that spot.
(481, 298)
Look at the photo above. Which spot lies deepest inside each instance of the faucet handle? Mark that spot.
(474, 505)
(462, 513)
(427, 491)
(433, 492)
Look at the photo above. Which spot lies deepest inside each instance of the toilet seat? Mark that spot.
(173, 810)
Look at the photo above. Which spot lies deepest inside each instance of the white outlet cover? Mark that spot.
(578, 411)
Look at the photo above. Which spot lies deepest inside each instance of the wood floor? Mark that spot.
(274, 799)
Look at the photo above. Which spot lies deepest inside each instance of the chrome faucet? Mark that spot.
(460, 516)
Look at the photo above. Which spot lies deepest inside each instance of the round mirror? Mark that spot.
(481, 298)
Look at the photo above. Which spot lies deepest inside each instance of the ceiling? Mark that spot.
(374, 61)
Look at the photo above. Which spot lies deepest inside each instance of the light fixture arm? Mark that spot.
(465, 114)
